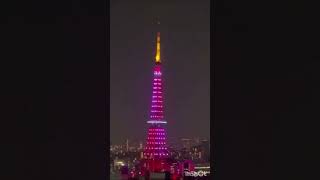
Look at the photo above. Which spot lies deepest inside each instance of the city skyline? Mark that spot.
(185, 52)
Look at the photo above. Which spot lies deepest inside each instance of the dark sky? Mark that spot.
(185, 46)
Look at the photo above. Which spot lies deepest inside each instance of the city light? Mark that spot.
(157, 122)
(120, 163)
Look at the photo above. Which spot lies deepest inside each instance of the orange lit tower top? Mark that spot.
(158, 59)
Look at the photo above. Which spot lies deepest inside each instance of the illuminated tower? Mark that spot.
(155, 151)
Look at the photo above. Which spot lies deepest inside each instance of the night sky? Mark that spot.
(185, 46)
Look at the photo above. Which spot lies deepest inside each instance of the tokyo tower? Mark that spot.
(155, 152)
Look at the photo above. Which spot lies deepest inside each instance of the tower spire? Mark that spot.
(158, 60)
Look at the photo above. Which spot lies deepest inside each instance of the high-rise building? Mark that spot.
(155, 151)
(205, 144)
(127, 145)
(186, 143)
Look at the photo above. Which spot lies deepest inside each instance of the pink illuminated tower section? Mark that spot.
(155, 151)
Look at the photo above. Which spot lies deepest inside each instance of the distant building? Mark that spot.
(127, 145)
(205, 145)
(186, 143)
(197, 141)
